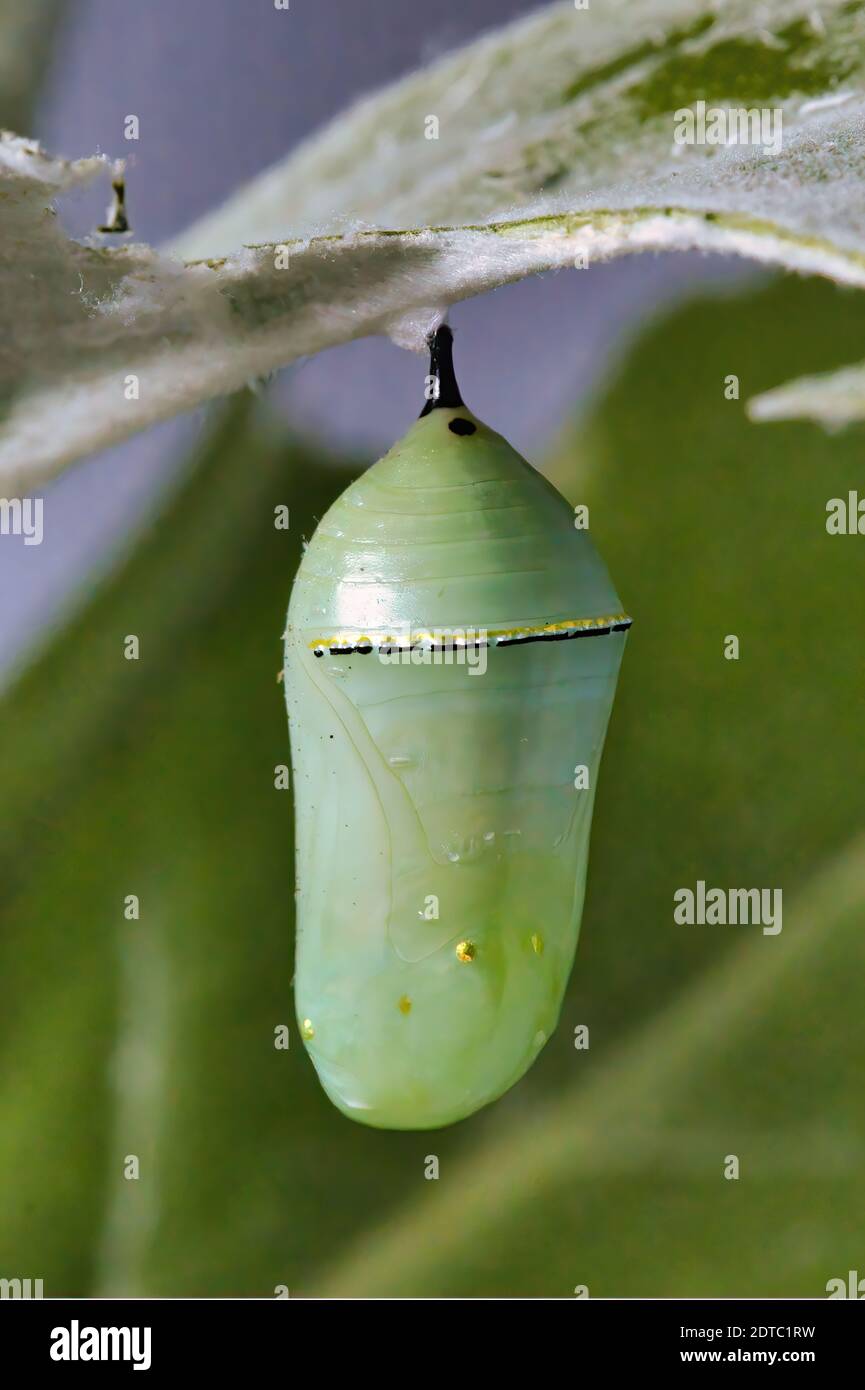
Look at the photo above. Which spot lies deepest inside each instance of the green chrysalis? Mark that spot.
(447, 713)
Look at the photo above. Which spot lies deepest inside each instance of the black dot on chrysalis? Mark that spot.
(462, 427)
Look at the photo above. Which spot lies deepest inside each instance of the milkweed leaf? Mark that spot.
(555, 143)
(832, 399)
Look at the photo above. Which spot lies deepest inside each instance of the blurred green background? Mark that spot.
(603, 1168)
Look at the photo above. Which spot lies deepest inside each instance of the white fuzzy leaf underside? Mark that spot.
(555, 140)
(833, 399)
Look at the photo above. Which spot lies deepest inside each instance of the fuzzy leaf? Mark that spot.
(555, 140)
(832, 399)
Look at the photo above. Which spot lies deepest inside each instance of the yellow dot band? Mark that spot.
(344, 643)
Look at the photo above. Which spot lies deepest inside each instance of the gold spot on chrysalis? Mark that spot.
(466, 951)
(405, 1005)
(306, 1029)
(537, 944)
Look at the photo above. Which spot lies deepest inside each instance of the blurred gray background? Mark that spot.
(222, 88)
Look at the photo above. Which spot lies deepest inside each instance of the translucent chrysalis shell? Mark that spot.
(451, 656)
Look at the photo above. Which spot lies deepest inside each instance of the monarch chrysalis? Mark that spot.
(447, 716)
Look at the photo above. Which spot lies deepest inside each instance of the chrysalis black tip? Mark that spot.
(441, 367)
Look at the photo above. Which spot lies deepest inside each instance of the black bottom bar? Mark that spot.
(226, 1336)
